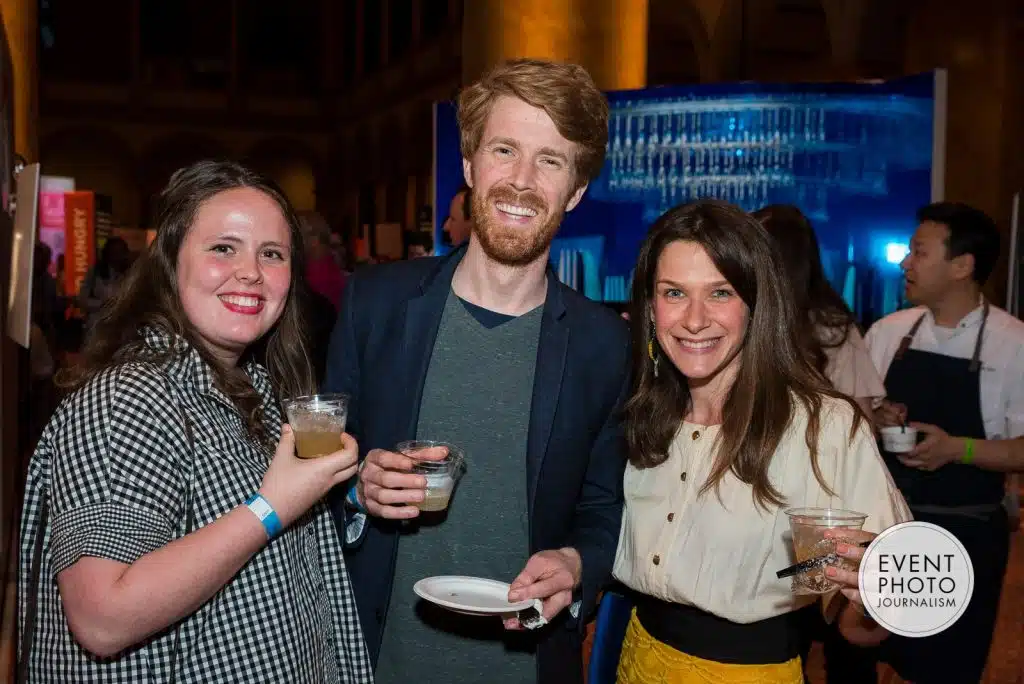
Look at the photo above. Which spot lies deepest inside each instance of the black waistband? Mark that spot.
(703, 635)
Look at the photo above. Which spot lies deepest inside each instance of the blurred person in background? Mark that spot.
(828, 331)
(828, 327)
(323, 272)
(45, 323)
(46, 311)
(459, 224)
(60, 276)
(954, 370)
(320, 294)
(320, 316)
(340, 251)
(103, 280)
(418, 244)
(169, 531)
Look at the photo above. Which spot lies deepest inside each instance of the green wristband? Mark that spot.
(968, 456)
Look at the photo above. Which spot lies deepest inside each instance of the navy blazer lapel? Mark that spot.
(551, 353)
(422, 319)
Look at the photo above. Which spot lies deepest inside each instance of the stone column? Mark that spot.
(21, 24)
(607, 37)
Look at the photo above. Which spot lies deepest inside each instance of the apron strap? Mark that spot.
(909, 337)
(976, 357)
(975, 364)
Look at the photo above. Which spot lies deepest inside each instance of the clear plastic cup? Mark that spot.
(441, 475)
(808, 526)
(317, 421)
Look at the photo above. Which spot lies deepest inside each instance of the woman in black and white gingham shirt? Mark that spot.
(164, 427)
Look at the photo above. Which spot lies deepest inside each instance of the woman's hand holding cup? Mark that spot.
(853, 622)
(292, 485)
(851, 546)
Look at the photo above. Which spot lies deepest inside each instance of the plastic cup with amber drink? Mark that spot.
(441, 475)
(318, 420)
(808, 526)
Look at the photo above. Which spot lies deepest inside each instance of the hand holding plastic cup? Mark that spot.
(318, 420)
(441, 474)
(808, 527)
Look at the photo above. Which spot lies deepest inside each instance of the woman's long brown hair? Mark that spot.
(148, 297)
(774, 372)
(825, 318)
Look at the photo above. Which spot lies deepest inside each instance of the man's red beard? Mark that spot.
(511, 245)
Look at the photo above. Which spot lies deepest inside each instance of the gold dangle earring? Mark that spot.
(650, 351)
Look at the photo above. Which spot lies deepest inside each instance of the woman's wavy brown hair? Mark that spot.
(148, 297)
(825, 319)
(774, 372)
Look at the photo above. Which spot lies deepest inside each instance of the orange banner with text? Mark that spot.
(80, 239)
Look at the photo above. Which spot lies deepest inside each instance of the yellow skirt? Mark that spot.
(645, 660)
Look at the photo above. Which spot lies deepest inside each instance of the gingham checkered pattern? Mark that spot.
(115, 463)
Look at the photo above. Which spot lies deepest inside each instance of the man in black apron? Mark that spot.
(944, 391)
(944, 480)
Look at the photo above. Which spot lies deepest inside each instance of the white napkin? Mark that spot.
(534, 622)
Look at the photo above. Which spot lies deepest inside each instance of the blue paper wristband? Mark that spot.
(265, 513)
(353, 500)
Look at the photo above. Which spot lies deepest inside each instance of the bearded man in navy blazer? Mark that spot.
(487, 350)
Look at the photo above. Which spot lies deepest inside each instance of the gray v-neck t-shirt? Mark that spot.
(477, 395)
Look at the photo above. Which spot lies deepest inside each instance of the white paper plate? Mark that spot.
(473, 595)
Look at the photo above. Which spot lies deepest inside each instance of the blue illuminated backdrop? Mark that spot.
(858, 159)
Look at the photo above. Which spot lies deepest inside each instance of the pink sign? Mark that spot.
(51, 209)
(51, 225)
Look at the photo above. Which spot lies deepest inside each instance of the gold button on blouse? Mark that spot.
(696, 434)
(671, 517)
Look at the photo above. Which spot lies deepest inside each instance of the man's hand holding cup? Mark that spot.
(387, 487)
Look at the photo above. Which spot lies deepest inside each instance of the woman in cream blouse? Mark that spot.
(729, 424)
(830, 328)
